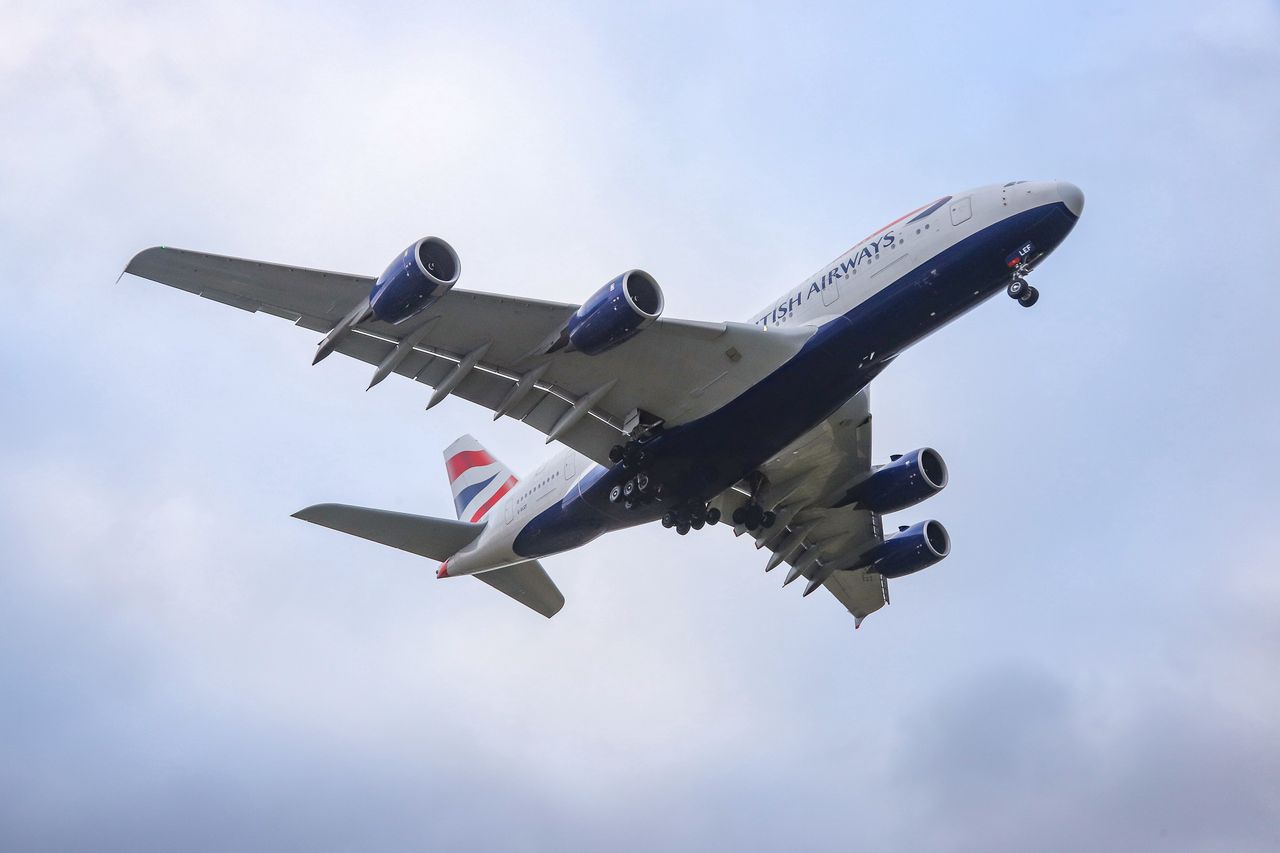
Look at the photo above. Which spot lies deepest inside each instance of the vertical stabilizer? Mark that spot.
(477, 479)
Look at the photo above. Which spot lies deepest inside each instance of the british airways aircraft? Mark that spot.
(764, 425)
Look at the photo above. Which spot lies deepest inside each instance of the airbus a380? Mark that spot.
(764, 425)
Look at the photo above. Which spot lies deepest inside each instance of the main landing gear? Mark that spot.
(691, 516)
(632, 455)
(752, 515)
(640, 489)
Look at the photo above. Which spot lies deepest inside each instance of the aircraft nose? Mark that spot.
(1072, 197)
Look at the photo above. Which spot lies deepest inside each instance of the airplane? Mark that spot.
(763, 424)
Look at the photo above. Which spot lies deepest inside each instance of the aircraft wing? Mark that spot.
(801, 483)
(485, 348)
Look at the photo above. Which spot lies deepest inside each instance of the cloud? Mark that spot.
(183, 665)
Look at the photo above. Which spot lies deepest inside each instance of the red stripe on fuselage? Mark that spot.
(497, 496)
(465, 461)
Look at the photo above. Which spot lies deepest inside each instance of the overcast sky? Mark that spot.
(184, 666)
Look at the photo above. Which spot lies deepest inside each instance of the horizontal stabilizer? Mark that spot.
(529, 584)
(435, 538)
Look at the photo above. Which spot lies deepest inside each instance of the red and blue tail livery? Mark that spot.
(477, 479)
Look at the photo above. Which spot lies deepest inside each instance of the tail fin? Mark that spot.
(478, 480)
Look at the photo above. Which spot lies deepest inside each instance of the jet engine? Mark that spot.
(917, 547)
(904, 482)
(615, 313)
(419, 276)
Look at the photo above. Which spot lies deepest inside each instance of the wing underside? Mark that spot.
(487, 348)
(815, 542)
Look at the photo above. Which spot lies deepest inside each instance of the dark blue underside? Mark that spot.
(702, 458)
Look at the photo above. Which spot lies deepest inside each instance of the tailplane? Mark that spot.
(438, 539)
(478, 480)
(529, 584)
(435, 538)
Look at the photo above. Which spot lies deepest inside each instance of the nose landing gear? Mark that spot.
(1019, 263)
(1022, 291)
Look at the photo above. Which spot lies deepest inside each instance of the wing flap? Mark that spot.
(541, 409)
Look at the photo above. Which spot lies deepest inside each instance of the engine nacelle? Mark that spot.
(615, 313)
(918, 547)
(419, 276)
(904, 482)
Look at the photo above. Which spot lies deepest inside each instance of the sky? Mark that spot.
(184, 666)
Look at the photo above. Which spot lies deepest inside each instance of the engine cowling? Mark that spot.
(918, 547)
(614, 314)
(904, 482)
(419, 276)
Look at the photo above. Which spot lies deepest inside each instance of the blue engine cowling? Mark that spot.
(615, 313)
(918, 547)
(904, 482)
(419, 276)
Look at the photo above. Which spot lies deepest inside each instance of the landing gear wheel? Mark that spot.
(767, 520)
(697, 523)
(628, 504)
(615, 494)
(683, 529)
(1031, 297)
(629, 489)
(642, 482)
(713, 516)
(1017, 287)
(668, 521)
(739, 516)
(755, 517)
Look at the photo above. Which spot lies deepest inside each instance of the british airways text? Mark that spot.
(868, 254)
